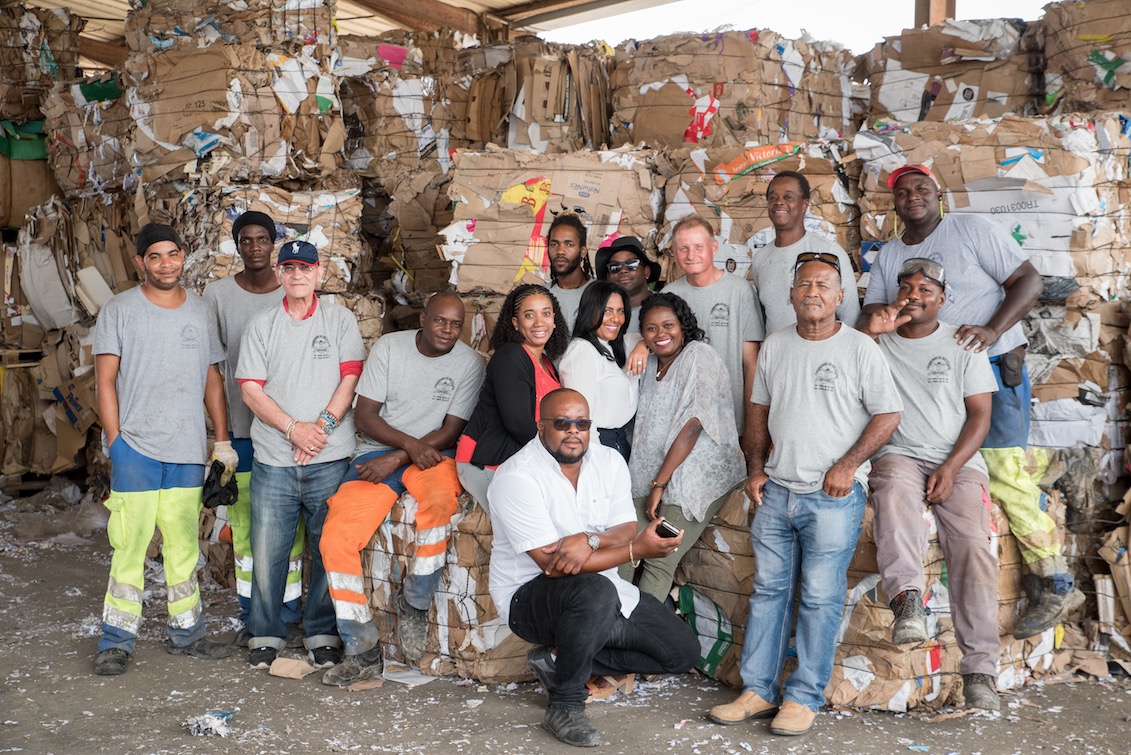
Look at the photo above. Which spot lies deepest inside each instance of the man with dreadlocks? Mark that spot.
(570, 271)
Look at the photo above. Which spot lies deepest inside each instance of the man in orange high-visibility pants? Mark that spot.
(415, 396)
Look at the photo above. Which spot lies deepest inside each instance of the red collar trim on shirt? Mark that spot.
(309, 312)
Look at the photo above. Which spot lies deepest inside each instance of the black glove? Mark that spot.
(216, 494)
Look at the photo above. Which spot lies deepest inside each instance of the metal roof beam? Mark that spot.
(534, 12)
(112, 53)
(425, 14)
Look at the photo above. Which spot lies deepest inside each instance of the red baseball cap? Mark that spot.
(902, 171)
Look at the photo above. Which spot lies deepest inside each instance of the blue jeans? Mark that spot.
(279, 496)
(1010, 411)
(801, 541)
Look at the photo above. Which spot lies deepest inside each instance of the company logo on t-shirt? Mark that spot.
(321, 347)
(443, 390)
(720, 316)
(938, 370)
(826, 377)
(190, 338)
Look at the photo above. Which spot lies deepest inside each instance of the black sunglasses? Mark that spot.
(826, 257)
(616, 267)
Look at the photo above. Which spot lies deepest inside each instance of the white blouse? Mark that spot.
(610, 391)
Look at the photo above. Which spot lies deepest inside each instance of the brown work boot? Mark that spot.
(910, 618)
(793, 719)
(748, 705)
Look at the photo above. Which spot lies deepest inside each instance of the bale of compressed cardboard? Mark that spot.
(953, 71)
(25, 175)
(505, 201)
(88, 127)
(160, 25)
(727, 185)
(730, 89)
(38, 47)
(1087, 48)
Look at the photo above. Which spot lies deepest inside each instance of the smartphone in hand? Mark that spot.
(667, 529)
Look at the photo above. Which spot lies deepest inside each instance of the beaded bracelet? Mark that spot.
(290, 429)
(331, 420)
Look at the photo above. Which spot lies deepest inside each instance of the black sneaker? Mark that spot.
(325, 657)
(572, 727)
(111, 662)
(356, 668)
(412, 630)
(202, 648)
(542, 664)
(262, 657)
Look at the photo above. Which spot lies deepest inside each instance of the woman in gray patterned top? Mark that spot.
(685, 453)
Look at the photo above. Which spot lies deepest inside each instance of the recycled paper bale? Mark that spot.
(160, 25)
(1055, 184)
(88, 126)
(38, 47)
(730, 89)
(421, 207)
(1087, 47)
(727, 185)
(29, 444)
(953, 71)
(369, 309)
(25, 175)
(233, 113)
(505, 201)
(465, 636)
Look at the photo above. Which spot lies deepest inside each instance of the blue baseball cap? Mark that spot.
(302, 252)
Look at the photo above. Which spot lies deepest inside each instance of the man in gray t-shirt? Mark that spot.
(299, 365)
(932, 461)
(725, 306)
(233, 302)
(995, 288)
(825, 397)
(155, 370)
(570, 271)
(415, 396)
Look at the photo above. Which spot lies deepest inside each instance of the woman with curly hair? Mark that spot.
(685, 454)
(593, 364)
(528, 337)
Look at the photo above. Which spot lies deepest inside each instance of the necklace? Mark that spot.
(661, 370)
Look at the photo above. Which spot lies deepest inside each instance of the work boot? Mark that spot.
(979, 692)
(241, 638)
(1049, 610)
(542, 664)
(202, 648)
(747, 705)
(412, 630)
(356, 668)
(111, 662)
(572, 727)
(910, 618)
(792, 720)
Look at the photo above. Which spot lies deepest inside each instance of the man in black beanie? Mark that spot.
(233, 302)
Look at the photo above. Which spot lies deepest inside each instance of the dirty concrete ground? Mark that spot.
(50, 701)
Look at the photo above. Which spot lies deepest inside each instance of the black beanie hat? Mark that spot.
(151, 233)
(253, 217)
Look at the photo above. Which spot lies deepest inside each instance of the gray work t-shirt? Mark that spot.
(821, 394)
(728, 311)
(165, 355)
(569, 300)
(978, 257)
(772, 269)
(300, 364)
(934, 374)
(230, 309)
(416, 392)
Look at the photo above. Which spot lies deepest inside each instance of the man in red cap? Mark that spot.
(993, 288)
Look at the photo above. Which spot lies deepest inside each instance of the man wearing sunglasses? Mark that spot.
(991, 287)
(625, 263)
(415, 396)
(933, 458)
(564, 521)
(299, 365)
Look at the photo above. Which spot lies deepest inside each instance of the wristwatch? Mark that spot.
(326, 428)
(593, 540)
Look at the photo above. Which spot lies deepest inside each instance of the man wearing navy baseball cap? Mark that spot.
(996, 288)
(299, 365)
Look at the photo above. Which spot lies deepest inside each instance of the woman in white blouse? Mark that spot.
(593, 365)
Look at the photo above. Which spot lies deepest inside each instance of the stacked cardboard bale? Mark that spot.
(158, 25)
(1087, 49)
(89, 127)
(728, 185)
(954, 70)
(506, 200)
(731, 89)
(38, 47)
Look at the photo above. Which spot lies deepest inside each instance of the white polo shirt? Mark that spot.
(533, 505)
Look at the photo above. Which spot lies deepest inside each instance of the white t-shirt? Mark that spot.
(534, 505)
(977, 256)
(934, 374)
(821, 394)
(610, 391)
(772, 270)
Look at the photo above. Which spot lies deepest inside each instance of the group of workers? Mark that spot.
(606, 430)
